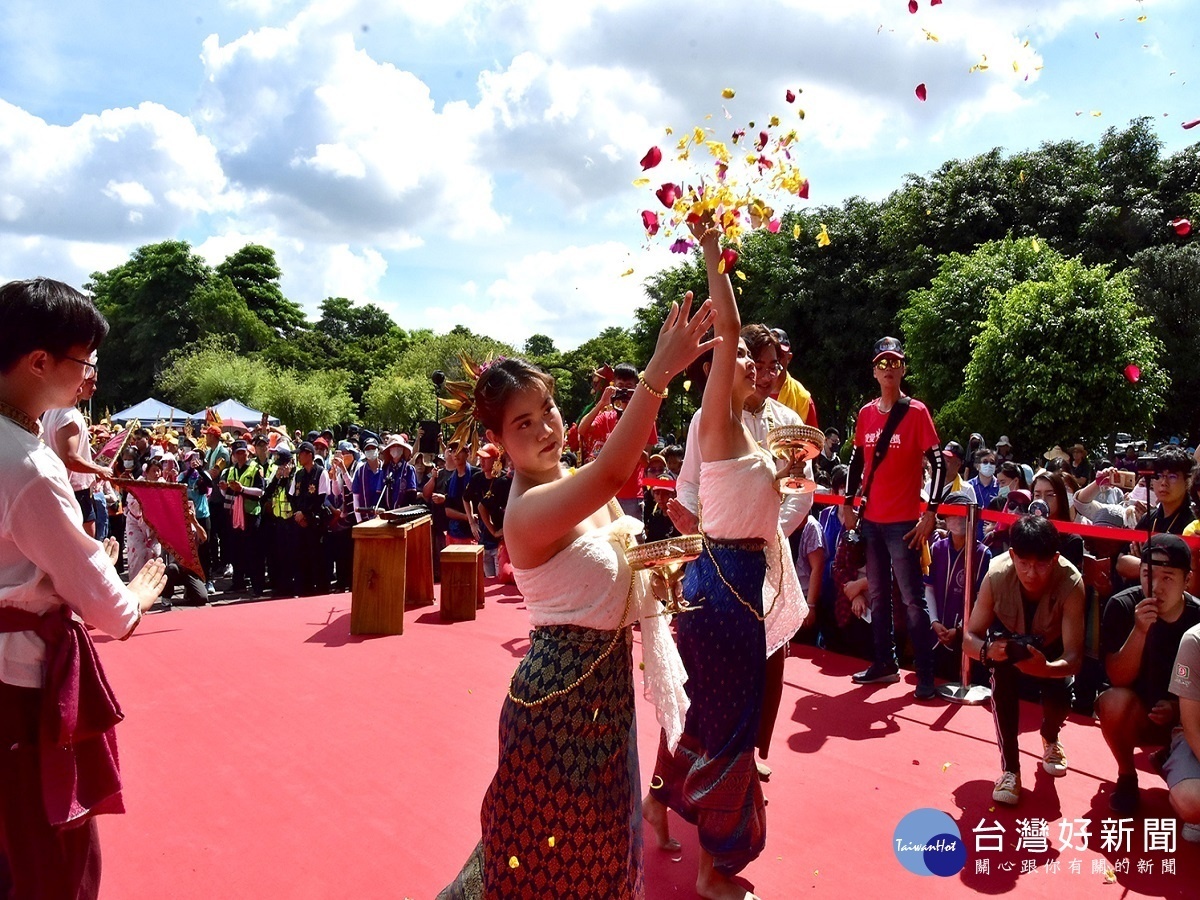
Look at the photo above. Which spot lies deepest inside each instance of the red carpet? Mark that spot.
(267, 753)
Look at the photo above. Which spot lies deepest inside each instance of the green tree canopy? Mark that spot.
(255, 276)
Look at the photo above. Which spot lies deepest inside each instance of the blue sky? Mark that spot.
(472, 162)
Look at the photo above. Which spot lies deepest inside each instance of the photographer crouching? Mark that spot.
(1028, 623)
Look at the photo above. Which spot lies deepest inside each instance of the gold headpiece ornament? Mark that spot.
(460, 405)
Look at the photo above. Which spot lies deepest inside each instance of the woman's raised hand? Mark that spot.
(680, 340)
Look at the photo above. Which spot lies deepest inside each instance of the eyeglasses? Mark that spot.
(1168, 477)
(885, 364)
(89, 368)
(774, 368)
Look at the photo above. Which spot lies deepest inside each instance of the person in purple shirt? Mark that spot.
(945, 587)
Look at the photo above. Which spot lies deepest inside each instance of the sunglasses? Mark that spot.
(885, 364)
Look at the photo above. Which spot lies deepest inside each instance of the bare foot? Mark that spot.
(655, 815)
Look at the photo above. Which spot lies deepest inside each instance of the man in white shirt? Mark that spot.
(52, 576)
(65, 432)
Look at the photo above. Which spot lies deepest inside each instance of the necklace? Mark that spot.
(20, 417)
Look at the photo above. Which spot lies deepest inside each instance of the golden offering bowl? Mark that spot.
(665, 561)
(796, 444)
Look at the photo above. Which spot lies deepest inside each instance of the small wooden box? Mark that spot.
(462, 581)
(393, 571)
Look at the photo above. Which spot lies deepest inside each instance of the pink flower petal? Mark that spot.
(668, 194)
(921, 92)
(773, 226)
(1191, 124)
(650, 222)
(1133, 372)
(652, 158)
(1182, 226)
(681, 246)
(912, 6)
(789, 95)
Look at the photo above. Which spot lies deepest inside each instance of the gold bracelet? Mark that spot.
(661, 395)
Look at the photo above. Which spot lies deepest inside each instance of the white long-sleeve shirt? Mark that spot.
(46, 558)
(795, 507)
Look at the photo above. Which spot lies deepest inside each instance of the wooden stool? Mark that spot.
(462, 581)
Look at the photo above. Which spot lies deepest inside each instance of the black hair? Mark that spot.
(673, 450)
(831, 431)
(837, 478)
(500, 382)
(1058, 484)
(758, 338)
(1012, 470)
(141, 432)
(41, 314)
(1033, 537)
(1173, 458)
(625, 371)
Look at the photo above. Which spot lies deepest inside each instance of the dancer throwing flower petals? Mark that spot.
(710, 779)
(561, 816)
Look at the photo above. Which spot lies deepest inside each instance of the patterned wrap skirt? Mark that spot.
(711, 779)
(562, 816)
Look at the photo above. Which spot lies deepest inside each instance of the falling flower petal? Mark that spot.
(1110, 875)
(801, 113)
(1191, 124)
(796, 232)
(667, 195)
(946, 766)
(921, 92)
(729, 259)
(930, 36)
(640, 182)
(773, 226)
(514, 863)
(1037, 245)
(550, 840)
(802, 193)
(1182, 226)
(1142, 18)
(1097, 35)
(763, 137)
(650, 222)
(627, 273)
(681, 245)
(823, 237)
(740, 274)
(1132, 373)
(935, 2)
(652, 158)
(789, 95)
(1096, 113)
(728, 93)
(912, 6)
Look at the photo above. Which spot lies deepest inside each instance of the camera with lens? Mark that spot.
(622, 395)
(1018, 647)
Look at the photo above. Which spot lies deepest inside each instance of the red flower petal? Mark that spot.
(668, 194)
(1191, 124)
(1182, 226)
(1133, 372)
(650, 222)
(789, 96)
(721, 170)
(729, 259)
(920, 92)
(652, 158)
(693, 218)
(739, 134)
(912, 6)
(935, 2)
(803, 192)
(763, 137)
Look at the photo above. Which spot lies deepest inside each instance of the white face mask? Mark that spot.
(127, 464)
(987, 470)
(372, 454)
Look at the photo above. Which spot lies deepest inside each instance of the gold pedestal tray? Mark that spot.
(796, 445)
(664, 560)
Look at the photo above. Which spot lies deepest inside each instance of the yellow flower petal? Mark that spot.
(823, 237)
(627, 272)
(640, 182)
(728, 93)
(774, 121)
(796, 232)
(550, 840)
(740, 274)
(930, 36)
(514, 863)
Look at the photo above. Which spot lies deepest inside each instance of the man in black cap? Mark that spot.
(886, 476)
(956, 458)
(1140, 634)
(310, 487)
(788, 391)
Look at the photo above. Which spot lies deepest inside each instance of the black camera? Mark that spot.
(622, 395)
(1019, 646)
(1145, 466)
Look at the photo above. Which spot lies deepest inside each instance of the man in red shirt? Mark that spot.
(895, 519)
(598, 423)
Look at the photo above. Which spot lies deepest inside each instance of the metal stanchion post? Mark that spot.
(964, 692)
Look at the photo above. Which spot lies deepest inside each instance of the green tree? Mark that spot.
(941, 321)
(197, 377)
(1167, 288)
(308, 400)
(1050, 359)
(539, 345)
(255, 276)
(399, 402)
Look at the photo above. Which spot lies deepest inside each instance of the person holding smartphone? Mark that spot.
(599, 423)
